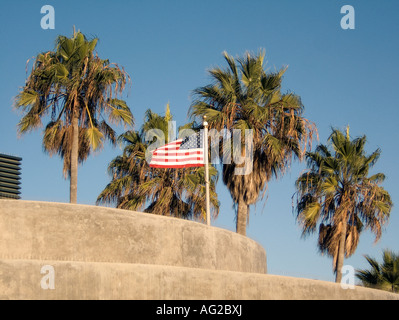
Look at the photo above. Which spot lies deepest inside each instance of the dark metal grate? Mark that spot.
(10, 176)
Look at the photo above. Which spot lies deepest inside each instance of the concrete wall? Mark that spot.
(103, 253)
(21, 279)
(65, 232)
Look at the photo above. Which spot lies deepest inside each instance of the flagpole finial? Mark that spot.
(205, 122)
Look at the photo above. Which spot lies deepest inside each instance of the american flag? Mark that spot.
(181, 153)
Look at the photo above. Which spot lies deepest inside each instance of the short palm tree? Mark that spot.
(77, 89)
(338, 194)
(384, 276)
(246, 97)
(171, 192)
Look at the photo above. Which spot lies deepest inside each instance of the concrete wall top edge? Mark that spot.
(111, 210)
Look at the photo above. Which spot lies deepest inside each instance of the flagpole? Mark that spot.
(208, 213)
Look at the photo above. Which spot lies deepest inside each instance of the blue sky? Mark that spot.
(345, 77)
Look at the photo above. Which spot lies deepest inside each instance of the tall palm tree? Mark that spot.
(338, 194)
(137, 186)
(77, 89)
(384, 276)
(244, 96)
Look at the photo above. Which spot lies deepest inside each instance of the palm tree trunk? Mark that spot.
(341, 252)
(242, 213)
(73, 187)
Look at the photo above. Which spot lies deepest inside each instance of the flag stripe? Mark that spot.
(172, 145)
(182, 160)
(179, 153)
(177, 165)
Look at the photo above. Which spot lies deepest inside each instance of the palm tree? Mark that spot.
(244, 96)
(77, 89)
(172, 192)
(384, 276)
(338, 194)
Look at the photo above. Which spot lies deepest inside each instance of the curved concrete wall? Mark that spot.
(65, 232)
(102, 253)
(21, 279)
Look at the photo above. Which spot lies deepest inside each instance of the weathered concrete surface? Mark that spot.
(21, 279)
(66, 232)
(103, 253)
